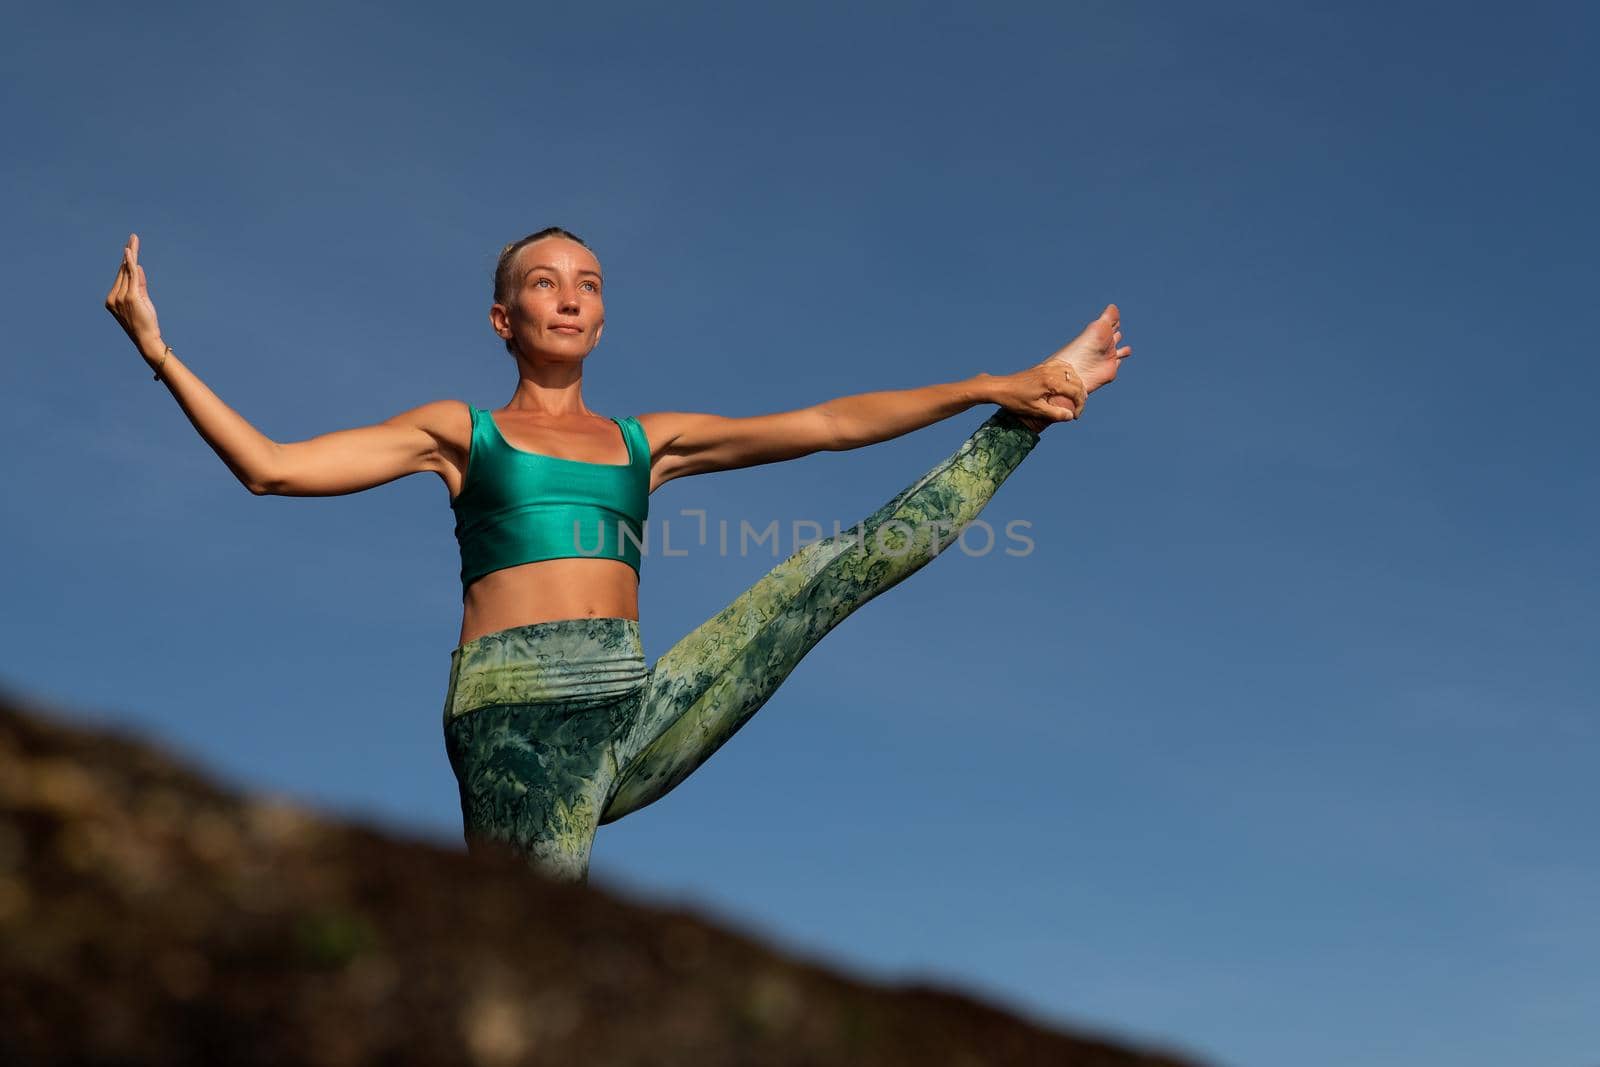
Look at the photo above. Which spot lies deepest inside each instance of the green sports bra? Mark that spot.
(519, 507)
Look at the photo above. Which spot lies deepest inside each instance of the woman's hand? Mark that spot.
(129, 302)
(1047, 393)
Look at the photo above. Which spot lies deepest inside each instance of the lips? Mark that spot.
(567, 329)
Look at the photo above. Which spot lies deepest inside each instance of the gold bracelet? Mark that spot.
(157, 375)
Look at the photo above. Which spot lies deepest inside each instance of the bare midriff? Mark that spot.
(548, 591)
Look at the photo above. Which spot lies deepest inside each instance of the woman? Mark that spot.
(553, 722)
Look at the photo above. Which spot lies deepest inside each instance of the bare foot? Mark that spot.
(1094, 353)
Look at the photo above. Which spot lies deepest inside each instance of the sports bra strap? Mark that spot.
(638, 443)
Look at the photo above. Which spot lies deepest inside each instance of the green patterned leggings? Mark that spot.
(556, 728)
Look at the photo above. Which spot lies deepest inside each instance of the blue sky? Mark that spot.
(1279, 745)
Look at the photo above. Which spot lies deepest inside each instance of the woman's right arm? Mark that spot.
(333, 464)
(348, 461)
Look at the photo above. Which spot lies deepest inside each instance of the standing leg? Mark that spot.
(532, 779)
(710, 683)
(531, 721)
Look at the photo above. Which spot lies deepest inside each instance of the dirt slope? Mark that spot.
(150, 915)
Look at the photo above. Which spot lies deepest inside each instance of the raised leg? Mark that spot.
(710, 683)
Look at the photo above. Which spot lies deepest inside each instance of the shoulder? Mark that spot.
(447, 422)
(435, 415)
(672, 436)
(665, 428)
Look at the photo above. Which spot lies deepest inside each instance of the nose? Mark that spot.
(568, 299)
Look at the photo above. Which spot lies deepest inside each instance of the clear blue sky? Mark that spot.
(1278, 747)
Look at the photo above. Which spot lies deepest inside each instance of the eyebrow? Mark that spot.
(548, 267)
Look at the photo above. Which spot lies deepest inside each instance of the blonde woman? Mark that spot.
(554, 723)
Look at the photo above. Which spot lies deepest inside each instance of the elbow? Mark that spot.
(262, 486)
(266, 485)
(262, 481)
(833, 435)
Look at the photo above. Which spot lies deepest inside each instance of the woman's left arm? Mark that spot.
(685, 443)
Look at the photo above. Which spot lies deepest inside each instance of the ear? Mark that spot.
(499, 322)
(598, 330)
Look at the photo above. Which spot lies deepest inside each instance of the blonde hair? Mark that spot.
(508, 255)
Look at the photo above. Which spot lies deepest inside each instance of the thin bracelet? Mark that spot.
(157, 375)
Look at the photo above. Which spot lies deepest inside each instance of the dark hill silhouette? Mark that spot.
(149, 915)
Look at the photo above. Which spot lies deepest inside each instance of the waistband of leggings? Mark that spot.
(564, 660)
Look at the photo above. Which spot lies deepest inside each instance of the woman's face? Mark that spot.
(555, 307)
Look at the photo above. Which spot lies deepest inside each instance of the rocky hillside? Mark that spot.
(149, 915)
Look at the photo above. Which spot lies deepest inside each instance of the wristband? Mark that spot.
(157, 375)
